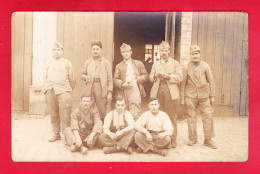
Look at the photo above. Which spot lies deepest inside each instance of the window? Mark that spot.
(151, 53)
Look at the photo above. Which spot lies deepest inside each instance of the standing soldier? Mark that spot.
(97, 74)
(166, 74)
(197, 90)
(129, 77)
(58, 88)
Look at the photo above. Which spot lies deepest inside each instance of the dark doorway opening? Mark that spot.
(143, 31)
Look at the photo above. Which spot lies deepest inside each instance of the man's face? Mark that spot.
(85, 102)
(96, 51)
(126, 54)
(195, 56)
(57, 52)
(164, 53)
(120, 106)
(154, 106)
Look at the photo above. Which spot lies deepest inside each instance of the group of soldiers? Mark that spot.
(94, 123)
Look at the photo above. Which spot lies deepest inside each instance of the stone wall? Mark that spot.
(185, 38)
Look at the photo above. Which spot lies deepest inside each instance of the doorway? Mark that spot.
(144, 31)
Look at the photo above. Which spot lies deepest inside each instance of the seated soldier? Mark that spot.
(154, 130)
(86, 125)
(118, 131)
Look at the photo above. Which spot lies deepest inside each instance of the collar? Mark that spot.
(128, 61)
(99, 59)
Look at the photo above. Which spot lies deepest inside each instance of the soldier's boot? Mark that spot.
(108, 150)
(192, 142)
(54, 137)
(159, 151)
(210, 144)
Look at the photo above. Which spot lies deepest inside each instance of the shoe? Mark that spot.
(108, 150)
(210, 144)
(83, 150)
(55, 137)
(159, 151)
(174, 144)
(139, 150)
(130, 150)
(73, 148)
(192, 142)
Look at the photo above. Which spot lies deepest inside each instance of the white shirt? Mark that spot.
(159, 123)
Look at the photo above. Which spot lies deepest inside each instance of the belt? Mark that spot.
(96, 80)
(151, 131)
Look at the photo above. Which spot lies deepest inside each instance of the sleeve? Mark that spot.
(97, 121)
(84, 70)
(129, 119)
(142, 120)
(108, 120)
(70, 75)
(117, 81)
(143, 74)
(183, 83)
(177, 76)
(109, 77)
(74, 120)
(153, 71)
(210, 79)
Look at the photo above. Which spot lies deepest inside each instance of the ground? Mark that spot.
(30, 143)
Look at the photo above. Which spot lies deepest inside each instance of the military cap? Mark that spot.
(98, 43)
(57, 44)
(194, 48)
(125, 47)
(164, 45)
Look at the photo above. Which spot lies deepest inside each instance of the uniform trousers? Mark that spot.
(159, 143)
(206, 111)
(169, 106)
(123, 141)
(100, 101)
(59, 107)
(133, 100)
(70, 138)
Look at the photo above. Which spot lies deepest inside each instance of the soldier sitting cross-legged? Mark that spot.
(86, 125)
(119, 130)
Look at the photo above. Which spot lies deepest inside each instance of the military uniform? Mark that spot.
(166, 90)
(85, 122)
(134, 72)
(101, 82)
(58, 93)
(196, 89)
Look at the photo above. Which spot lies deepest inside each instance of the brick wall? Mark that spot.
(185, 37)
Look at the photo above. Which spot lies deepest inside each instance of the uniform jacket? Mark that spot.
(171, 67)
(106, 78)
(86, 121)
(59, 76)
(198, 81)
(120, 76)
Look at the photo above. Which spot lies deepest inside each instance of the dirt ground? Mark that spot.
(30, 143)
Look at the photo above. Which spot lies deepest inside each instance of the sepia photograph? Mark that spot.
(165, 86)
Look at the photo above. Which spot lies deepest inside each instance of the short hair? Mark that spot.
(98, 43)
(153, 98)
(120, 98)
(85, 95)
